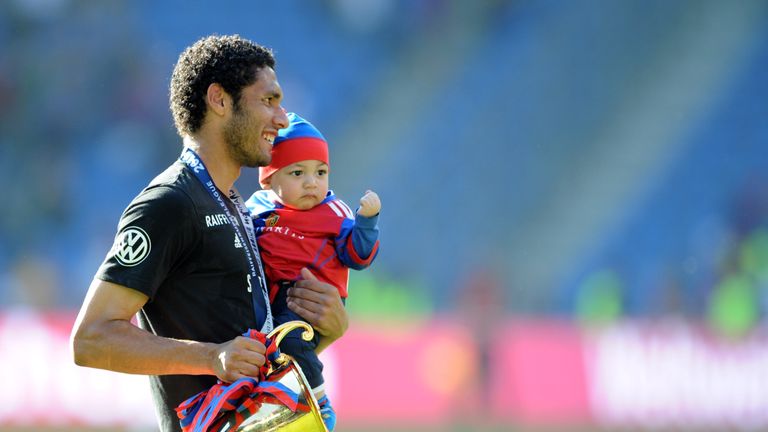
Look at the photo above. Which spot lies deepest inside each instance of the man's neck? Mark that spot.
(222, 169)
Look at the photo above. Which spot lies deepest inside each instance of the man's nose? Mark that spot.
(281, 118)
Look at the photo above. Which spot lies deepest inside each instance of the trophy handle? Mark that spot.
(283, 329)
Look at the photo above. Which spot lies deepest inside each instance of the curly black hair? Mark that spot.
(230, 61)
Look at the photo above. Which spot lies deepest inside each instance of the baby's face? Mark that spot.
(301, 185)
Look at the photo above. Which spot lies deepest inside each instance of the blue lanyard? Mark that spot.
(195, 164)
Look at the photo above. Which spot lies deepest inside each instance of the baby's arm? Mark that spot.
(358, 242)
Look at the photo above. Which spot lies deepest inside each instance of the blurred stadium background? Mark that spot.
(575, 201)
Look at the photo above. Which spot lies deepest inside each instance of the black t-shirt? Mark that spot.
(176, 245)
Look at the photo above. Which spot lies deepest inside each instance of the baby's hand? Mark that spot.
(369, 204)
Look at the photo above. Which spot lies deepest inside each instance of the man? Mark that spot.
(184, 261)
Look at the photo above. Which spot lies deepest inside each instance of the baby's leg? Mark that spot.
(304, 354)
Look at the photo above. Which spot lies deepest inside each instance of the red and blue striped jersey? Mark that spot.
(328, 239)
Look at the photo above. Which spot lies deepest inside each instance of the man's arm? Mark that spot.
(103, 337)
(320, 304)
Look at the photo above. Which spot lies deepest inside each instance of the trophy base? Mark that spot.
(295, 422)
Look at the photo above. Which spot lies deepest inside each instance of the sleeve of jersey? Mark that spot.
(358, 242)
(260, 206)
(154, 233)
(259, 203)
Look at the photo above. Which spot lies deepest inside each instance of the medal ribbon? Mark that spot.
(250, 248)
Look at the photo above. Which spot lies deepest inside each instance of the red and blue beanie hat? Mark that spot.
(299, 141)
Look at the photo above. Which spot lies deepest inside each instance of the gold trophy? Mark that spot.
(277, 417)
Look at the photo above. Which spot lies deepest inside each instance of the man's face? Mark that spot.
(255, 120)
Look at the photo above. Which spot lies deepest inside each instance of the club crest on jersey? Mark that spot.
(132, 246)
(271, 220)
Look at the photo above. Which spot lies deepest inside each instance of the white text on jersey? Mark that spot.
(216, 220)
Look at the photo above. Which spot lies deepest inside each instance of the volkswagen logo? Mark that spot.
(132, 246)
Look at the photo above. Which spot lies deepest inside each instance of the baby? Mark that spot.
(301, 224)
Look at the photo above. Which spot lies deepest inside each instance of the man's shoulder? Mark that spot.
(171, 190)
(176, 176)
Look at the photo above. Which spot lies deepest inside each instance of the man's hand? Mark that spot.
(238, 358)
(370, 205)
(320, 304)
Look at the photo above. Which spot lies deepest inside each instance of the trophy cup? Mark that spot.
(275, 416)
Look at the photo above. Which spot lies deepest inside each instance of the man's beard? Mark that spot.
(242, 140)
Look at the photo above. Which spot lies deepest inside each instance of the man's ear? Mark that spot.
(217, 98)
